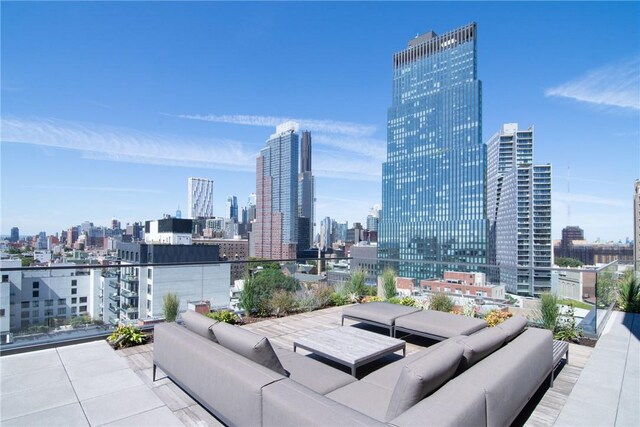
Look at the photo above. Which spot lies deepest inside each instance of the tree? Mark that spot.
(356, 285)
(259, 288)
(567, 262)
(548, 312)
(170, 306)
(389, 282)
(254, 263)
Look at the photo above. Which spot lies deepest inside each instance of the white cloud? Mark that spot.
(571, 198)
(614, 85)
(128, 145)
(98, 142)
(347, 167)
(327, 126)
(373, 148)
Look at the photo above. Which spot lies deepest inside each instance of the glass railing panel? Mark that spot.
(103, 296)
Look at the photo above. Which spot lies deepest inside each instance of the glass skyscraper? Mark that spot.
(275, 230)
(433, 182)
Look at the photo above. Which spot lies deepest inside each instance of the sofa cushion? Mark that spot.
(288, 403)
(388, 375)
(379, 312)
(422, 377)
(370, 399)
(245, 343)
(479, 345)
(440, 325)
(513, 326)
(199, 323)
(311, 373)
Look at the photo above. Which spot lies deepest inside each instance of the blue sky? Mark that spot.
(108, 108)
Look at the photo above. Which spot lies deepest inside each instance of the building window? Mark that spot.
(25, 304)
(74, 300)
(83, 309)
(148, 273)
(5, 277)
(148, 304)
(62, 301)
(62, 310)
(74, 310)
(25, 315)
(74, 291)
(48, 303)
(36, 294)
(48, 312)
(35, 314)
(83, 299)
(149, 289)
(36, 285)
(74, 282)
(1, 312)
(35, 304)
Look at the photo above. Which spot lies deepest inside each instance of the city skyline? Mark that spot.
(99, 123)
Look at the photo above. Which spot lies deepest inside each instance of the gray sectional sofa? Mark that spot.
(482, 379)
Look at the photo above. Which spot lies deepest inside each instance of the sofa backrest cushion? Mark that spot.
(245, 343)
(513, 326)
(423, 376)
(479, 345)
(199, 323)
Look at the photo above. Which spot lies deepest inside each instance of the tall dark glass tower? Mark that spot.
(306, 198)
(433, 182)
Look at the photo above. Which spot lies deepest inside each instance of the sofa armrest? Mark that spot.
(225, 383)
(287, 403)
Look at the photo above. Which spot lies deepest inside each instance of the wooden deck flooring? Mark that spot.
(543, 409)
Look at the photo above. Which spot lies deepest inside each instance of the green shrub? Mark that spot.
(170, 306)
(566, 329)
(629, 293)
(258, 289)
(548, 312)
(356, 285)
(78, 321)
(410, 302)
(126, 336)
(369, 298)
(394, 300)
(225, 316)
(305, 302)
(389, 283)
(282, 302)
(338, 299)
(321, 295)
(441, 302)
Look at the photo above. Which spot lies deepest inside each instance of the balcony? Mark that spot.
(129, 278)
(86, 381)
(129, 294)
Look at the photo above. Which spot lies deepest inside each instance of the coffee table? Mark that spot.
(352, 347)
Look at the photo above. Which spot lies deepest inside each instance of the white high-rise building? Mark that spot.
(519, 212)
(200, 198)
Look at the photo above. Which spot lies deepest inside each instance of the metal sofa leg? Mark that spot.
(154, 372)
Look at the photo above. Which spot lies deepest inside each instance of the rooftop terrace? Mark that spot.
(91, 384)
